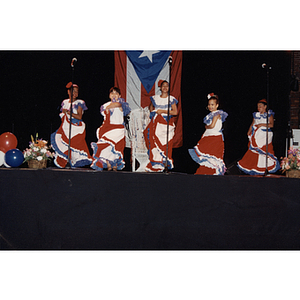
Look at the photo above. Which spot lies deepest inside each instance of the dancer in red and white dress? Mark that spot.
(254, 160)
(155, 133)
(209, 151)
(109, 149)
(79, 152)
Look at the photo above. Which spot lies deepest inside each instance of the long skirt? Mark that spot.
(109, 148)
(255, 159)
(79, 152)
(155, 136)
(208, 153)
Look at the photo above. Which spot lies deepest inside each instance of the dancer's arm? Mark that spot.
(213, 122)
(78, 115)
(270, 123)
(250, 128)
(173, 111)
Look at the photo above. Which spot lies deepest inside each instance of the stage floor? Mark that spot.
(85, 209)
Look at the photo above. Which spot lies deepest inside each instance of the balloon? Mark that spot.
(6, 165)
(14, 158)
(1, 158)
(8, 141)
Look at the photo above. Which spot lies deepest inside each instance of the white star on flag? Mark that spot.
(148, 54)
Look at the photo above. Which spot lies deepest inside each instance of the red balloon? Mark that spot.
(8, 141)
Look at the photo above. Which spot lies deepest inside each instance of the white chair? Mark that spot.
(139, 119)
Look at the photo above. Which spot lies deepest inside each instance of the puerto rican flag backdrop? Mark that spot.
(137, 74)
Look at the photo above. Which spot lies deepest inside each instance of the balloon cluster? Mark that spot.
(10, 156)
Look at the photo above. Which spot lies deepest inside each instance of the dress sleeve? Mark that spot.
(82, 104)
(223, 115)
(208, 118)
(62, 106)
(271, 113)
(174, 101)
(126, 108)
(103, 107)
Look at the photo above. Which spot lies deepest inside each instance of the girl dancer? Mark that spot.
(79, 152)
(209, 151)
(155, 133)
(108, 151)
(254, 160)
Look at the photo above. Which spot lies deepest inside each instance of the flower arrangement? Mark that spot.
(210, 95)
(292, 161)
(38, 150)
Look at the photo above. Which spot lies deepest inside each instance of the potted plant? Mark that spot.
(291, 164)
(37, 154)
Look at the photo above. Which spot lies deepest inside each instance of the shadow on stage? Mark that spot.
(83, 209)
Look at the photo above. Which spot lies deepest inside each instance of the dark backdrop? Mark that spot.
(33, 83)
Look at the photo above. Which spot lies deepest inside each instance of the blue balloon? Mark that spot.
(14, 158)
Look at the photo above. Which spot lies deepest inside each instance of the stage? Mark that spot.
(82, 209)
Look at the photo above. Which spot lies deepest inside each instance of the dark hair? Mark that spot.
(162, 82)
(215, 97)
(115, 89)
(263, 101)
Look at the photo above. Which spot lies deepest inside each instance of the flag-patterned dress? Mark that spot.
(155, 135)
(209, 151)
(254, 160)
(80, 155)
(111, 137)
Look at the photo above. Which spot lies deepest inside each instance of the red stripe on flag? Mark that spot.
(145, 97)
(175, 90)
(121, 71)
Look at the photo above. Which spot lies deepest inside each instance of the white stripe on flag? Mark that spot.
(133, 87)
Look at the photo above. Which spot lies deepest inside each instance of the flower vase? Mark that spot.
(37, 164)
(293, 173)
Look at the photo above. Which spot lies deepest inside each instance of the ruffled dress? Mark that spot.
(254, 160)
(209, 151)
(111, 138)
(80, 154)
(155, 135)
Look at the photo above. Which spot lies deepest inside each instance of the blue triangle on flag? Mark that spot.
(148, 65)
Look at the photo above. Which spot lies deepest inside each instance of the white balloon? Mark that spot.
(5, 164)
(2, 154)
